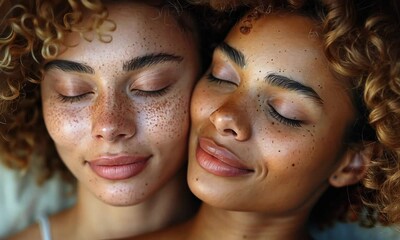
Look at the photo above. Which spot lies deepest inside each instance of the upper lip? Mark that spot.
(115, 160)
(221, 153)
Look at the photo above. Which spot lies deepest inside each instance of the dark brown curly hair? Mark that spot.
(362, 44)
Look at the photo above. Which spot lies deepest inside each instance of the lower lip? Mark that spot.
(217, 167)
(119, 172)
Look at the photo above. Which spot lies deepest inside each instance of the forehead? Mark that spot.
(286, 43)
(280, 33)
(139, 18)
(140, 29)
(167, 11)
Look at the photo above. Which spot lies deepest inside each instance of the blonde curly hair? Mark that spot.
(362, 43)
(30, 33)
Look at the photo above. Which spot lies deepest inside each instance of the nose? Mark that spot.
(232, 120)
(113, 119)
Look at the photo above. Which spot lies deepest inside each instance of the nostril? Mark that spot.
(230, 131)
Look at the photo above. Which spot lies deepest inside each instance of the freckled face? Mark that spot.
(268, 120)
(118, 112)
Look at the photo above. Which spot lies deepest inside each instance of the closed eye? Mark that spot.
(72, 99)
(152, 93)
(214, 79)
(284, 120)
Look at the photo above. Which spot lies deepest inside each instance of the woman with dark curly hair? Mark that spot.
(105, 87)
(297, 121)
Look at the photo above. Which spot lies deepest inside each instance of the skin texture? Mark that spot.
(112, 111)
(244, 113)
(260, 154)
(143, 112)
(290, 161)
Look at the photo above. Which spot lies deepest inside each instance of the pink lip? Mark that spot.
(219, 160)
(118, 167)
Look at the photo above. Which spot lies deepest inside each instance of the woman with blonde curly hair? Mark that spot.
(105, 87)
(297, 121)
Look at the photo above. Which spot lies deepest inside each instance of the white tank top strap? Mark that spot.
(44, 226)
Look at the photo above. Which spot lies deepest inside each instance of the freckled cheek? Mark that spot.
(64, 126)
(308, 157)
(168, 120)
(203, 104)
(196, 110)
(289, 149)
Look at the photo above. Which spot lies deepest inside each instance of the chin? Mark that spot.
(120, 195)
(203, 192)
(121, 200)
(212, 196)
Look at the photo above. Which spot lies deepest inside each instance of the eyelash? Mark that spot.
(71, 99)
(140, 93)
(283, 120)
(214, 79)
(157, 93)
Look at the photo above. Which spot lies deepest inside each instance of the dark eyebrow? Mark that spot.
(233, 54)
(290, 84)
(69, 66)
(150, 59)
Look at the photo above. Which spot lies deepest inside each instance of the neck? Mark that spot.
(216, 223)
(91, 218)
